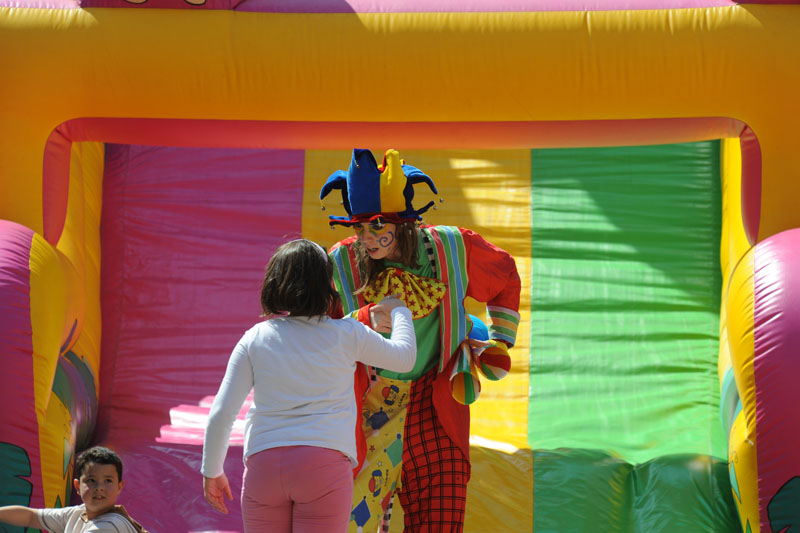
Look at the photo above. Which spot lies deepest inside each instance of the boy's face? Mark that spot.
(98, 487)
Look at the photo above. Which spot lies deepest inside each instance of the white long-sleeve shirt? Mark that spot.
(301, 373)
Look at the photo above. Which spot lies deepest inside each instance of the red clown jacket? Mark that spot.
(470, 266)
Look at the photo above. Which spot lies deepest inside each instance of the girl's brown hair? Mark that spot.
(406, 247)
(298, 281)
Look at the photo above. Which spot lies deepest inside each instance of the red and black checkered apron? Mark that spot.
(435, 471)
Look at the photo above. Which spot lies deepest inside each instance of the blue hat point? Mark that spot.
(368, 188)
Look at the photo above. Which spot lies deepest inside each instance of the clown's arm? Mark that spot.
(494, 280)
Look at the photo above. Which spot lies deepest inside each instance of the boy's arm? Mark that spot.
(18, 515)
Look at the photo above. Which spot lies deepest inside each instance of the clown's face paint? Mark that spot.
(379, 243)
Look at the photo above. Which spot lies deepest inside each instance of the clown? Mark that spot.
(423, 449)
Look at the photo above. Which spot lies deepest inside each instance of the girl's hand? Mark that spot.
(215, 489)
(392, 301)
(380, 314)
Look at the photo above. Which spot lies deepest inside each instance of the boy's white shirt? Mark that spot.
(70, 520)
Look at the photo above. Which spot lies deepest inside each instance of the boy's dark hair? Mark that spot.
(407, 243)
(98, 455)
(299, 281)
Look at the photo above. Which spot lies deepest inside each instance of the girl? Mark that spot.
(299, 441)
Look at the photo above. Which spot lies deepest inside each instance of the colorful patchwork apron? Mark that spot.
(383, 421)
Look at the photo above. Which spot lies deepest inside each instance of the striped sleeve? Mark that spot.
(503, 324)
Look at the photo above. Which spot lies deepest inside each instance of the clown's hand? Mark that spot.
(477, 346)
(380, 314)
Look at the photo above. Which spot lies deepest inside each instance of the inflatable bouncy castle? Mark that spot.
(637, 157)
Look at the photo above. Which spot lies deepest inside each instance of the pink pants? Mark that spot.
(297, 489)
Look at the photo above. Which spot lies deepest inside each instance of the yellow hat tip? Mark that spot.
(393, 182)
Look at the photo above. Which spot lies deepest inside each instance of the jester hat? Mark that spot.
(369, 189)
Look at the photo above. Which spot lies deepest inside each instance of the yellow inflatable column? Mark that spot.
(735, 374)
(63, 278)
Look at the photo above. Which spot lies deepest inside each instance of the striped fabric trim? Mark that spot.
(387, 515)
(503, 323)
(451, 254)
(444, 307)
(458, 271)
(346, 277)
(429, 250)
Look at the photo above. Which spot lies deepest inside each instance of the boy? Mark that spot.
(98, 480)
